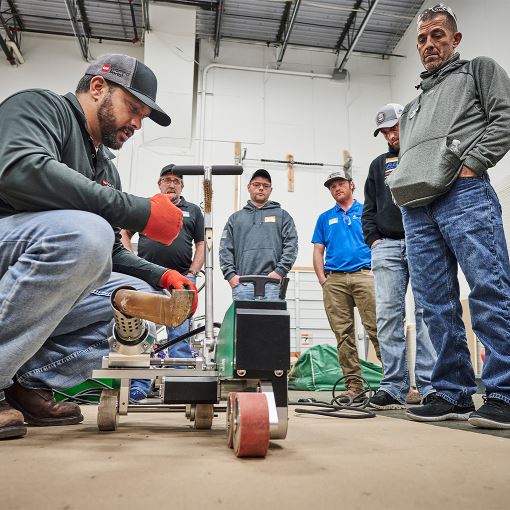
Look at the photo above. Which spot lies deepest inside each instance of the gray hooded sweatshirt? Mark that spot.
(258, 241)
(461, 118)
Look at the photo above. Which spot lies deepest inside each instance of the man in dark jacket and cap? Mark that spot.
(384, 234)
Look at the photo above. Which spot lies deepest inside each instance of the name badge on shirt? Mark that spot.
(270, 219)
(185, 214)
(332, 221)
(390, 165)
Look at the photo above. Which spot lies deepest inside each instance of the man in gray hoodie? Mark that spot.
(260, 239)
(450, 136)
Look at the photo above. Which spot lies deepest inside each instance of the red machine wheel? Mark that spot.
(251, 425)
(230, 418)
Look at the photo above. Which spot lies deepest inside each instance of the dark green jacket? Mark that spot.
(48, 161)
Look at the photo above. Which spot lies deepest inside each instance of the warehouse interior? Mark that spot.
(292, 87)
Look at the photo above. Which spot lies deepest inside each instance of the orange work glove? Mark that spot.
(173, 280)
(165, 220)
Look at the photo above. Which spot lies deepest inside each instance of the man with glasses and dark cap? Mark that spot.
(457, 128)
(260, 239)
(61, 211)
(178, 256)
(345, 275)
(384, 233)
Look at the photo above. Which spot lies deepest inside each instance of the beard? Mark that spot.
(108, 124)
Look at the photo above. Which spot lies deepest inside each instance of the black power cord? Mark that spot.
(177, 339)
(341, 406)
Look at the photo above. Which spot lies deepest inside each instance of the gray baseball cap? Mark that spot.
(335, 176)
(388, 116)
(135, 77)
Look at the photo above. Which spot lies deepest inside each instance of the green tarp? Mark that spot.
(317, 369)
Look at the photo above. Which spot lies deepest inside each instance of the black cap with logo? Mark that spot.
(261, 173)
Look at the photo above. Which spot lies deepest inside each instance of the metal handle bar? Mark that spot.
(215, 170)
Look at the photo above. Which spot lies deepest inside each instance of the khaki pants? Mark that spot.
(342, 292)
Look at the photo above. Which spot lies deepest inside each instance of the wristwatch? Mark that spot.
(194, 273)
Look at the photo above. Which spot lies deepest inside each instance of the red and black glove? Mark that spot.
(174, 280)
(165, 219)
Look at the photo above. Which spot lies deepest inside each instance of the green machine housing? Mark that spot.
(254, 343)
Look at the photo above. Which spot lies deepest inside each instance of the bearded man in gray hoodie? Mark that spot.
(260, 239)
(450, 136)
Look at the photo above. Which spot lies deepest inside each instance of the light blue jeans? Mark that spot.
(391, 278)
(245, 291)
(463, 227)
(55, 286)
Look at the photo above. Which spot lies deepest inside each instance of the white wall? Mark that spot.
(484, 25)
(314, 119)
(54, 62)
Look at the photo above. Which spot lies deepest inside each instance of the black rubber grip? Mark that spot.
(215, 170)
(227, 170)
(188, 170)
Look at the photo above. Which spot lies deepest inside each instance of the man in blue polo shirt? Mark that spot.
(345, 276)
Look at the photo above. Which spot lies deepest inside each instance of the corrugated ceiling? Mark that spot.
(327, 24)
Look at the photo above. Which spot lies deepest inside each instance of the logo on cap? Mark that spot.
(108, 68)
(380, 117)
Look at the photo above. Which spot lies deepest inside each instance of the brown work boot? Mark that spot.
(40, 408)
(349, 395)
(11, 422)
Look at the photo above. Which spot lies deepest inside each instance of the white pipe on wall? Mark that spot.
(238, 68)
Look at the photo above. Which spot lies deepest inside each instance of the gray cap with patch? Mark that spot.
(135, 77)
(388, 116)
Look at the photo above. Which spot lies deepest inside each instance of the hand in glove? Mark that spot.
(165, 220)
(173, 280)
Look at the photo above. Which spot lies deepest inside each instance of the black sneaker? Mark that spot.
(384, 401)
(494, 414)
(438, 409)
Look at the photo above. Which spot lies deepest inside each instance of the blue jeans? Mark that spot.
(464, 226)
(391, 278)
(54, 324)
(245, 291)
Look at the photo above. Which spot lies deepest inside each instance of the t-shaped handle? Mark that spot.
(260, 281)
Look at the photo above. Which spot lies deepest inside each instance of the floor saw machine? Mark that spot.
(244, 363)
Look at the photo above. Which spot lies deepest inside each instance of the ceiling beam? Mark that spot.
(145, 16)
(67, 34)
(283, 22)
(351, 21)
(84, 19)
(352, 33)
(8, 52)
(219, 19)
(133, 20)
(82, 39)
(15, 14)
(107, 24)
(287, 34)
(6, 27)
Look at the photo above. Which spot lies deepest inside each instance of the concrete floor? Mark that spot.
(157, 461)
